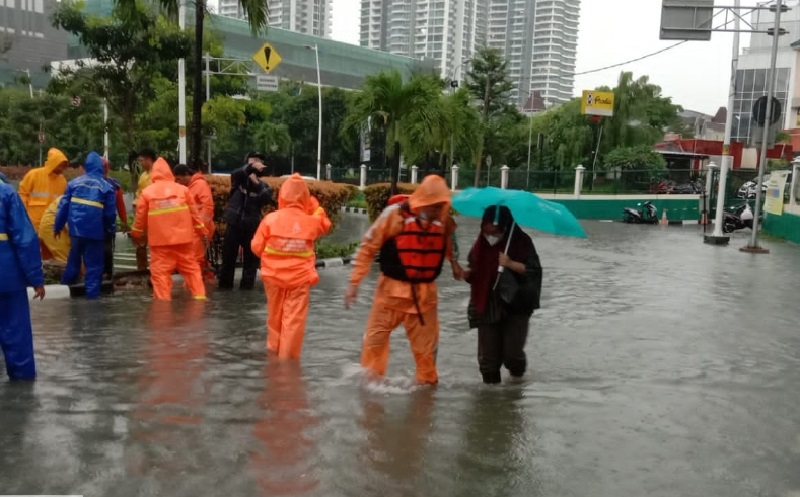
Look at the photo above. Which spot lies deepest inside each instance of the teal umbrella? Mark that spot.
(529, 210)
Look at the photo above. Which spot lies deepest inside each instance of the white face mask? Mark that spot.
(493, 240)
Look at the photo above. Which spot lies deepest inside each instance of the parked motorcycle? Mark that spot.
(645, 215)
(740, 218)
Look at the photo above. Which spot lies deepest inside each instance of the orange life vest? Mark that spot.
(417, 253)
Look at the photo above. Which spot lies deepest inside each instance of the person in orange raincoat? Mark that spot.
(414, 238)
(167, 212)
(41, 186)
(201, 191)
(285, 242)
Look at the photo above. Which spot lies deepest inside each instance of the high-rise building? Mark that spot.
(538, 38)
(313, 17)
(444, 32)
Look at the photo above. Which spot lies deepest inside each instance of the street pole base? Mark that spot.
(716, 240)
(754, 250)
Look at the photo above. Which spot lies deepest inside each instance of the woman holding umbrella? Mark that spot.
(505, 277)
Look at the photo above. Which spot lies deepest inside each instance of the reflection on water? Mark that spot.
(658, 366)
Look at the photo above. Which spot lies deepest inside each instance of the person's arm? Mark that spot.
(25, 189)
(197, 221)
(25, 241)
(380, 231)
(319, 212)
(121, 210)
(259, 242)
(237, 179)
(451, 250)
(110, 212)
(140, 222)
(62, 213)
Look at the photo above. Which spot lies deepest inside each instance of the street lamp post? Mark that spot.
(315, 48)
(182, 90)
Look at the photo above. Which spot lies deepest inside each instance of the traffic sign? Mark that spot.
(267, 83)
(41, 137)
(267, 58)
(760, 111)
(76, 101)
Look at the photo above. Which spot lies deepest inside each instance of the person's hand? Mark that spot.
(466, 273)
(38, 292)
(253, 178)
(124, 227)
(504, 260)
(350, 296)
(57, 234)
(458, 271)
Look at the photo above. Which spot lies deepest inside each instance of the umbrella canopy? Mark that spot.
(529, 210)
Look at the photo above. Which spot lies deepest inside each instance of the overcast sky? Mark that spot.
(696, 74)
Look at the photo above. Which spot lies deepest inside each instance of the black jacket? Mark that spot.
(246, 200)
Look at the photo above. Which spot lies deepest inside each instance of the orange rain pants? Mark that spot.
(287, 311)
(424, 340)
(164, 259)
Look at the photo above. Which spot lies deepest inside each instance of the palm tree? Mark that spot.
(401, 109)
(256, 12)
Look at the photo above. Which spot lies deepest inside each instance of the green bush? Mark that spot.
(378, 195)
(328, 250)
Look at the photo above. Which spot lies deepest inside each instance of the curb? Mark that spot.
(355, 210)
(670, 223)
(334, 262)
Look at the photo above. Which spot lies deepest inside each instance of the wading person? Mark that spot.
(21, 263)
(41, 186)
(167, 214)
(249, 195)
(414, 239)
(89, 206)
(147, 157)
(285, 243)
(501, 306)
(204, 201)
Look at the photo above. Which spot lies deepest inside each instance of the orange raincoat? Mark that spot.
(285, 243)
(394, 301)
(167, 212)
(40, 187)
(198, 187)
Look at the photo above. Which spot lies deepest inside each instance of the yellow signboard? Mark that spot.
(597, 103)
(775, 188)
(267, 58)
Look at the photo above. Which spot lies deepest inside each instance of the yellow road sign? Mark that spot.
(267, 58)
(597, 103)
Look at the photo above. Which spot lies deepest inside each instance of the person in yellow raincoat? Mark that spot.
(414, 238)
(41, 186)
(58, 247)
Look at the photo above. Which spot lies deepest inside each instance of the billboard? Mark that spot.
(597, 103)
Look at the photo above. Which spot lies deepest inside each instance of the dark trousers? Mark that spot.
(502, 344)
(108, 251)
(237, 237)
(90, 253)
(16, 337)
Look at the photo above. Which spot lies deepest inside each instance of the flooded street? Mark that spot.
(658, 366)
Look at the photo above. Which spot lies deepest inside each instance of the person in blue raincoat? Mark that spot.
(21, 263)
(89, 207)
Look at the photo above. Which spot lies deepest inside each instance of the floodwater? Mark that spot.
(658, 366)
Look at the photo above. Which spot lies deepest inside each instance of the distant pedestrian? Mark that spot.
(204, 201)
(21, 263)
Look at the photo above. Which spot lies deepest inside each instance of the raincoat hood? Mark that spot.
(161, 171)
(94, 165)
(294, 193)
(54, 158)
(432, 190)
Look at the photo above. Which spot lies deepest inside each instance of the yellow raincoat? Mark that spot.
(42, 185)
(59, 247)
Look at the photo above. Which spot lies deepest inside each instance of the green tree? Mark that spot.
(489, 83)
(396, 106)
(256, 12)
(129, 53)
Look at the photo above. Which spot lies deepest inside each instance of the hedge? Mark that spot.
(332, 196)
(378, 194)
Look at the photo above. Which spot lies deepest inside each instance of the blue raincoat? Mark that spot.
(21, 263)
(89, 206)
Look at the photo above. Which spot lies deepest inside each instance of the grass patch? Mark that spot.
(329, 250)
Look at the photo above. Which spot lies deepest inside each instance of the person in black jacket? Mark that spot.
(500, 315)
(249, 195)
